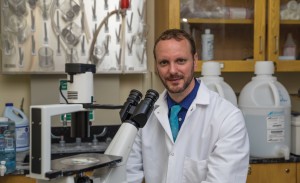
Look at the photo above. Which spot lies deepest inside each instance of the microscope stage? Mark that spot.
(80, 163)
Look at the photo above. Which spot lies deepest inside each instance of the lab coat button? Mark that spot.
(171, 154)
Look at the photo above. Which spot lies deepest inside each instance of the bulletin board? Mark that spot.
(40, 36)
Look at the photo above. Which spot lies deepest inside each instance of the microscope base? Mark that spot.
(74, 165)
(69, 179)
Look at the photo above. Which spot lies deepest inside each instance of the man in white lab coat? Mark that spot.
(212, 142)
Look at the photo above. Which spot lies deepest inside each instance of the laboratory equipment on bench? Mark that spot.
(266, 106)
(22, 126)
(7, 145)
(108, 167)
(2, 168)
(211, 72)
(295, 134)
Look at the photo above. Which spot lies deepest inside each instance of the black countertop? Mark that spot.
(293, 159)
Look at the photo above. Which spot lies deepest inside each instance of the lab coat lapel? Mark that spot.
(161, 110)
(202, 98)
(161, 113)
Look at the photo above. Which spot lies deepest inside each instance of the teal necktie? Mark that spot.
(174, 120)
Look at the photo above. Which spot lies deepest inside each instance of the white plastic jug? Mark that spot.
(266, 106)
(22, 126)
(211, 72)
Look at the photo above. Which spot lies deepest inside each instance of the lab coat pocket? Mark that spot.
(194, 171)
(240, 178)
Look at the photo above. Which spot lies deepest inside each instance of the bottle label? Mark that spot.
(3, 128)
(275, 127)
(9, 143)
(207, 50)
(22, 136)
(2, 143)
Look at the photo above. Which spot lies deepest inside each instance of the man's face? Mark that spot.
(175, 65)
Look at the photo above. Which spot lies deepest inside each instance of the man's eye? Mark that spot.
(163, 63)
(181, 61)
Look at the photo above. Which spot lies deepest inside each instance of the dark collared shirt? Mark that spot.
(185, 103)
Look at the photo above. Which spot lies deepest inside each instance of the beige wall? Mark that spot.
(114, 89)
(12, 89)
(108, 89)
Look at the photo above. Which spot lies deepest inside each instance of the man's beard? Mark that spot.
(177, 90)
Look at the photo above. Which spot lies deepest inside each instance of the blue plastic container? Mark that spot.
(8, 144)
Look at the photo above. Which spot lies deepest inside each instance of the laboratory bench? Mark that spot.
(261, 170)
(104, 135)
(293, 159)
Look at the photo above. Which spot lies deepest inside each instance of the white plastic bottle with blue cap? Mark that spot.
(22, 126)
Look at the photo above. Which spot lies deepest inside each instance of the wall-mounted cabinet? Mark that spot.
(242, 32)
(284, 19)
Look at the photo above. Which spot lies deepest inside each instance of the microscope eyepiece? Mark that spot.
(134, 96)
(135, 112)
(152, 95)
(144, 108)
(132, 100)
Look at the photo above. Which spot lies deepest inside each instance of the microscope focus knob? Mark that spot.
(83, 179)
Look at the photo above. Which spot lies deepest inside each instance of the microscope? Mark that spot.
(109, 167)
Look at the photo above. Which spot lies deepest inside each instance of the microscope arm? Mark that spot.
(123, 141)
(134, 115)
(40, 136)
(120, 146)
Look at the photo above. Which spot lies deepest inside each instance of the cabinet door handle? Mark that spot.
(276, 45)
(261, 45)
(287, 170)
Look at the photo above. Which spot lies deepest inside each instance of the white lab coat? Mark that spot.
(212, 144)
